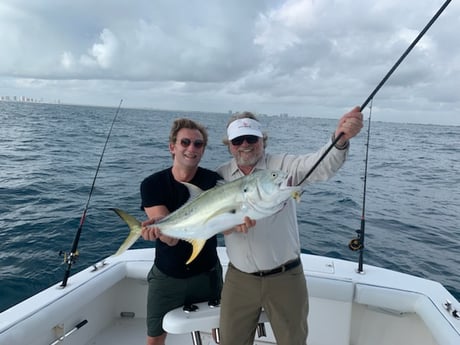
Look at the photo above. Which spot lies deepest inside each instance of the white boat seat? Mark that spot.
(205, 318)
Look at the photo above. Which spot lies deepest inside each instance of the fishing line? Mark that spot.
(382, 82)
(71, 257)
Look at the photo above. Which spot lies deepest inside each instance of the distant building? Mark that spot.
(24, 99)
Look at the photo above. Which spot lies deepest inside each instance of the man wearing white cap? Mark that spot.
(265, 271)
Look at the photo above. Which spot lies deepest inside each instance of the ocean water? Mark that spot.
(49, 154)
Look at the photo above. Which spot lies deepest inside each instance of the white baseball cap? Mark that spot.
(245, 126)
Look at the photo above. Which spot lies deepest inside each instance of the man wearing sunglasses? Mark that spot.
(265, 270)
(171, 282)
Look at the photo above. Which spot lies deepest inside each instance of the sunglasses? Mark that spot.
(250, 139)
(185, 142)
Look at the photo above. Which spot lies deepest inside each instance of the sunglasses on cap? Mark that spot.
(185, 142)
(250, 139)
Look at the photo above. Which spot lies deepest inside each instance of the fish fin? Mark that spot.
(223, 214)
(134, 227)
(197, 244)
(220, 182)
(193, 190)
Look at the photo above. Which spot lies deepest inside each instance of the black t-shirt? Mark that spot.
(162, 189)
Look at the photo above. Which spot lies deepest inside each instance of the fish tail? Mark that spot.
(135, 228)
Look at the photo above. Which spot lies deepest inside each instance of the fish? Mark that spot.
(207, 213)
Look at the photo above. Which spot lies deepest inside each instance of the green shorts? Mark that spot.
(166, 293)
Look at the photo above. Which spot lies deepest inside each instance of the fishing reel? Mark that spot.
(356, 243)
(69, 258)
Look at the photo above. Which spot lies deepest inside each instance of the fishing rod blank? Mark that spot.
(382, 82)
(358, 243)
(403, 56)
(70, 258)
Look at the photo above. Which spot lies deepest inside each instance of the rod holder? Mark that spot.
(261, 332)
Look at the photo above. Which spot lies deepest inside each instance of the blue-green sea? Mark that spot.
(49, 154)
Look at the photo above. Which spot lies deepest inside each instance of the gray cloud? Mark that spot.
(302, 57)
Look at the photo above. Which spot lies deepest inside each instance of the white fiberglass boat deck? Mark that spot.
(105, 304)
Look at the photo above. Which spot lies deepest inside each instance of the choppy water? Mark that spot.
(49, 155)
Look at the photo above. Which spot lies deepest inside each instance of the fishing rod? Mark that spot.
(358, 242)
(71, 257)
(382, 82)
(73, 330)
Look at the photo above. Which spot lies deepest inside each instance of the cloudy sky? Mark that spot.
(302, 57)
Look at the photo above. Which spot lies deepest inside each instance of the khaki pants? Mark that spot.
(283, 296)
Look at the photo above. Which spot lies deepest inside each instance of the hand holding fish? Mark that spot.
(248, 223)
(350, 125)
(244, 227)
(152, 233)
